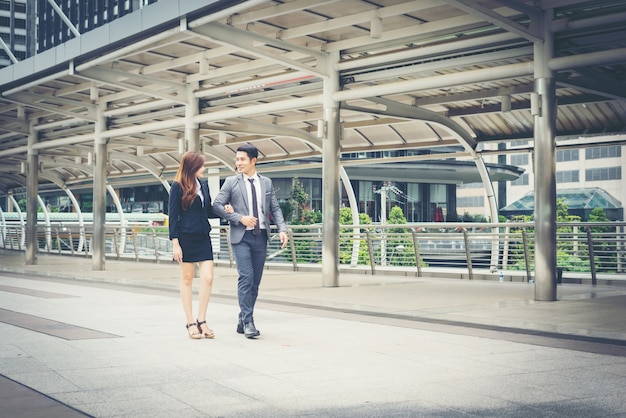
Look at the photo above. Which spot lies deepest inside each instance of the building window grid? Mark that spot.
(518, 144)
(471, 186)
(519, 159)
(603, 173)
(521, 181)
(568, 176)
(471, 201)
(595, 153)
(567, 155)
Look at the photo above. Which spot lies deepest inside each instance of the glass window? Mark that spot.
(604, 173)
(413, 203)
(567, 176)
(366, 190)
(471, 201)
(519, 143)
(471, 186)
(521, 181)
(282, 187)
(438, 194)
(519, 159)
(567, 155)
(603, 152)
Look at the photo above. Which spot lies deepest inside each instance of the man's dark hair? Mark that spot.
(249, 149)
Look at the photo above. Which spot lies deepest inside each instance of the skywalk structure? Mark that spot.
(106, 92)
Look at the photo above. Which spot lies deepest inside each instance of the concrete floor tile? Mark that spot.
(336, 352)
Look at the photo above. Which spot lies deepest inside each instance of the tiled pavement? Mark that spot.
(78, 342)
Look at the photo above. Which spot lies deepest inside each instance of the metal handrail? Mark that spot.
(585, 250)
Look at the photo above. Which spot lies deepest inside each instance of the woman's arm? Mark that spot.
(174, 207)
(177, 251)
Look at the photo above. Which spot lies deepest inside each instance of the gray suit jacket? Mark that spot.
(233, 191)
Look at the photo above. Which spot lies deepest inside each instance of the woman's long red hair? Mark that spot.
(190, 163)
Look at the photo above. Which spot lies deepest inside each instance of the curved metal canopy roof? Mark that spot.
(253, 71)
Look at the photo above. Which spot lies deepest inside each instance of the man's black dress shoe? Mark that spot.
(250, 331)
(240, 325)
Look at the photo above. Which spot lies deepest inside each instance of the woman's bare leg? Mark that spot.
(186, 291)
(206, 284)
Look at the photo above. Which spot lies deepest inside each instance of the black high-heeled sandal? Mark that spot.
(209, 333)
(194, 331)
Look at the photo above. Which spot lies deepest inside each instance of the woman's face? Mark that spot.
(200, 172)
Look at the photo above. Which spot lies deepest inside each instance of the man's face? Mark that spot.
(244, 164)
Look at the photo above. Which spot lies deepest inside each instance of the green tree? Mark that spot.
(563, 215)
(345, 245)
(467, 217)
(566, 258)
(400, 247)
(604, 245)
(297, 211)
(298, 200)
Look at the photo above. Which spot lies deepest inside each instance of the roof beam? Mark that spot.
(117, 78)
(416, 113)
(37, 101)
(256, 127)
(16, 125)
(275, 10)
(251, 42)
(596, 82)
(419, 59)
(415, 34)
(250, 68)
(354, 19)
(471, 7)
(474, 95)
(532, 12)
(147, 140)
(257, 83)
(267, 94)
(157, 172)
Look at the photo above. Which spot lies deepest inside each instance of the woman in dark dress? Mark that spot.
(189, 213)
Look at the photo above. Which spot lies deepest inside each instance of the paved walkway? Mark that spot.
(78, 342)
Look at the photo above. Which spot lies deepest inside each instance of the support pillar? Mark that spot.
(32, 192)
(99, 192)
(192, 108)
(330, 179)
(544, 112)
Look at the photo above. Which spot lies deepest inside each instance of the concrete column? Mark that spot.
(330, 179)
(99, 192)
(192, 108)
(32, 192)
(213, 181)
(544, 112)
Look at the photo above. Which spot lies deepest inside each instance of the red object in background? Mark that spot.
(438, 214)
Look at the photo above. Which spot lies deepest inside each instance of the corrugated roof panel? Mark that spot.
(270, 62)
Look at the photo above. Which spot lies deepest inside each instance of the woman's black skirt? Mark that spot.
(196, 247)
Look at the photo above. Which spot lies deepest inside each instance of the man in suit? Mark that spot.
(253, 200)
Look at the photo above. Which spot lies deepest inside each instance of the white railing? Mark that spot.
(584, 250)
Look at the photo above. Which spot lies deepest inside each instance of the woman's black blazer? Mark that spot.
(194, 220)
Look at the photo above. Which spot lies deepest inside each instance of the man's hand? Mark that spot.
(248, 221)
(284, 239)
